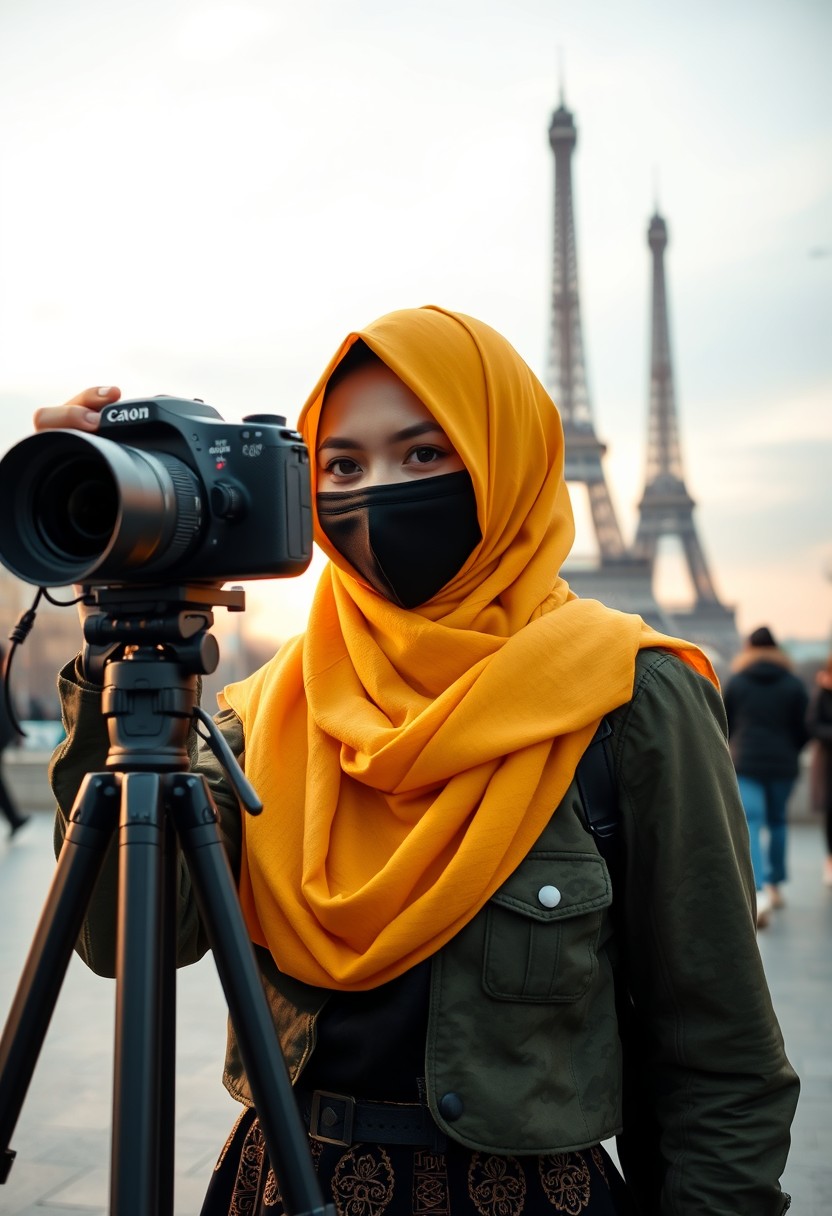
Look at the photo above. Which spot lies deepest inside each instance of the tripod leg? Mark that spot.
(92, 824)
(134, 1177)
(196, 819)
(166, 1121)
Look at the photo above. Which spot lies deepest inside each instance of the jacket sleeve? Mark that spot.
(818, 726)
(84, 750)
(713, 1064)
(801, 731)
(728, 705)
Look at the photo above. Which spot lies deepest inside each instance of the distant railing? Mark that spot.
(26, 771)
(41, 735)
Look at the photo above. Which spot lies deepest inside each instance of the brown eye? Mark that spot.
(342, 466)
(426, 454)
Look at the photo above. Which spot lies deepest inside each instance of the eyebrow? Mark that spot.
(409, 432)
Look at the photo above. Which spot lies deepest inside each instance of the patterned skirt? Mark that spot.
(399, 1180)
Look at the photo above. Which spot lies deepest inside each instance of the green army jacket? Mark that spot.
(522, 1026)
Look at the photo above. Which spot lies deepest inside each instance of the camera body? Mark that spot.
(164, 489)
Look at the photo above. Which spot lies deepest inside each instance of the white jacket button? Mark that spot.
(549, 897)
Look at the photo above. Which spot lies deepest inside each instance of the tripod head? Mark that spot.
(176, 617)
(147, 646)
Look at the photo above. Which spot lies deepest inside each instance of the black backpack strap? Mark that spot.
(597, 786)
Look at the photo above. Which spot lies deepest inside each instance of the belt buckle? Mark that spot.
(331, 1112)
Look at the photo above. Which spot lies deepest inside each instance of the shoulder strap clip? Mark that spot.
(596, 783)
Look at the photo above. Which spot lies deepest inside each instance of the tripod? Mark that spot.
(155, 807)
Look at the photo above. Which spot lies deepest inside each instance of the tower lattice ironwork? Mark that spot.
(666, 507)
(566, 371)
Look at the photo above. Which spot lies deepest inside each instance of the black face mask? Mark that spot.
(406, 540)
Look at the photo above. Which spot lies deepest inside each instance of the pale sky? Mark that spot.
(202, 199)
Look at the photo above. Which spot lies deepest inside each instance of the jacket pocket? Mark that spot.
(543, 927)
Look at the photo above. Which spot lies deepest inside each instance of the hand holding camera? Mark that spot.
(81, 413)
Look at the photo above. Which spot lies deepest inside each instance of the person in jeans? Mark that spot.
(766, 705)
(820, 728)
(8, 808)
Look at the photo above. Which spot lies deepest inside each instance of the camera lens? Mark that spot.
(75, 509)
(89, 510)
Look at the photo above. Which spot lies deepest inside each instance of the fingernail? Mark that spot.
(105, 392)
(91, 416)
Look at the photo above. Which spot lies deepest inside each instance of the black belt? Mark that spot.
(340, 1119)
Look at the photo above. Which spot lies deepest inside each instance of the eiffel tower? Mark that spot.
(618, 579)
(623, 577)
(566, 371)
(666, 507)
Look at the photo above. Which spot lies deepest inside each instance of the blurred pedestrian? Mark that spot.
(820, 728)
(766, 705)
(8, 735)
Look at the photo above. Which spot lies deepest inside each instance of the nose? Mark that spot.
(383, 477)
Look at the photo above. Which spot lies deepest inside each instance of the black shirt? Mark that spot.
(372, 1044)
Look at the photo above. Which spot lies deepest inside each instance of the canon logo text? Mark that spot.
(137, 413)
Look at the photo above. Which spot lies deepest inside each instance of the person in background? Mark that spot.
(433, 920)
(820, 728)
(765, 703)
(8, 735)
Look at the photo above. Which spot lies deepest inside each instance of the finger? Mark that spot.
(81, 412)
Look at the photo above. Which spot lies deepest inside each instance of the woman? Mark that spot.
(820, 728)
(431, 917)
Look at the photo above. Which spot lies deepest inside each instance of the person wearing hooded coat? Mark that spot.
(819, 722)
(431, 917)
(766, 703)
(8, 808)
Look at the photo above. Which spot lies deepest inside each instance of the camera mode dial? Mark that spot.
(265, 419)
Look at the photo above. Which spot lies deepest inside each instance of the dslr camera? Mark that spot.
(165, 489)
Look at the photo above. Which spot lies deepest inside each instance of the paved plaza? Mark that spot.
(62, 1137)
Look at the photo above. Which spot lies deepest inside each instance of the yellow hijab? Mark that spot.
(408, 760)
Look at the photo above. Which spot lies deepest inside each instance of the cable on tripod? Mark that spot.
(18, 635)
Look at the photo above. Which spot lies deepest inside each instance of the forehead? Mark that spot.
(371, 398)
